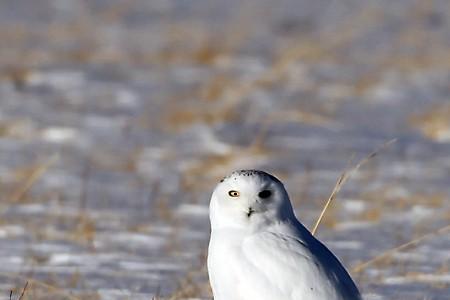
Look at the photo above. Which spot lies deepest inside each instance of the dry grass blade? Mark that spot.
(54, 289)
(336, 189)
(23, 291)
(343, 179)
(35, 175)
(35, 282)
(389, 252)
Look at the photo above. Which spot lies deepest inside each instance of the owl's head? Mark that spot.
(249, 199)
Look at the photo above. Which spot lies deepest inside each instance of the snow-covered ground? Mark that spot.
(117, 118)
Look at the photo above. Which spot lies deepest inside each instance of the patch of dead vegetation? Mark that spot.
(177, 117)
(434, 123)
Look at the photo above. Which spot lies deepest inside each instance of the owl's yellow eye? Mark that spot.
(233, 193)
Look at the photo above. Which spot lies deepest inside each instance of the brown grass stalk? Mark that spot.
(37, 173)
(343, 179)
(54, 289)
(23, 291)
(401, 247)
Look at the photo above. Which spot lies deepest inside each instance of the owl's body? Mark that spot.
(259, 250)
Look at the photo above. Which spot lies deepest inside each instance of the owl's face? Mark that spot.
(249, 198)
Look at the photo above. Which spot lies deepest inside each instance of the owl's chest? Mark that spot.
(227, 267)
(225, 257)
(233, 275)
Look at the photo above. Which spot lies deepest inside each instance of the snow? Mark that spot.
(149, 104)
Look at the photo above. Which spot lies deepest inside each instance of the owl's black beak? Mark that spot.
(250, 211)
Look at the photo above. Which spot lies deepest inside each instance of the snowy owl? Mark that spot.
(259, 250)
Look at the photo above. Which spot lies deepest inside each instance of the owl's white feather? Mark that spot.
(259, 250)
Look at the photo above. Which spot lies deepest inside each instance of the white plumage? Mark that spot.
(259, 250)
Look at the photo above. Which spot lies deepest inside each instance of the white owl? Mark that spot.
(259, 250)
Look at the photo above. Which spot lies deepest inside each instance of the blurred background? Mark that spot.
(118, 117)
